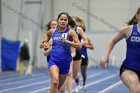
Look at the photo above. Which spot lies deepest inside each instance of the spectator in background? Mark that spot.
(24, 57)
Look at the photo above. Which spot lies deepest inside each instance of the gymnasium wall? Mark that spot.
(10, 19)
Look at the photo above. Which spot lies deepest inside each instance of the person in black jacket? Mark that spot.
(24, 56)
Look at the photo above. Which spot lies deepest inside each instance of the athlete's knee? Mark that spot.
(55, 82)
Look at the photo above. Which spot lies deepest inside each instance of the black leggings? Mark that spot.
(123, 68)
(84, 62)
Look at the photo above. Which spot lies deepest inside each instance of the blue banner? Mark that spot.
(10, 53)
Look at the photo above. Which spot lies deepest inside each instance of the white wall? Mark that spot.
(10, 18)
(47, 10)
(99, 15)
(113, 12)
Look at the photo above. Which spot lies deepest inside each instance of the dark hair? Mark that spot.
(134, 20)
(47, 26)
(59, 15)
(71, 22)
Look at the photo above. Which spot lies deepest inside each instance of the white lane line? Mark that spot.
(28, 85)
(93, 75)
(12, 74)
(19, 77)
(42, 89)
(110, 87)
(9, 75)
(98, 81)
(15, 82)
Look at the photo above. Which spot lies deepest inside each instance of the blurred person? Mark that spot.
(52, 24)
(130, 69)
(84, 56)
(24, 57)
(60, 57)
(84, 63)
(77, 59)
(50, 28)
